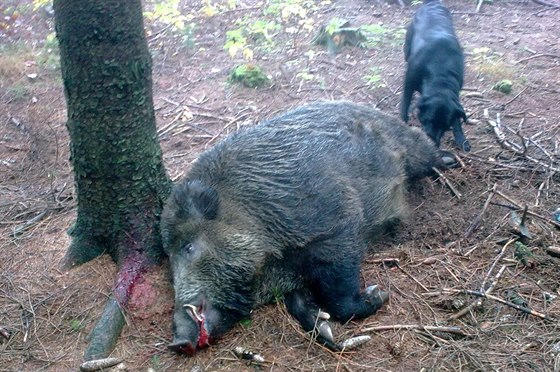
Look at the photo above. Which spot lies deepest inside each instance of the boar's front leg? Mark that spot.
(336, 286)
(302, 307)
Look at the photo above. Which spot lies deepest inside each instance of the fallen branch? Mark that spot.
(496, 126)
(479, 6)
(478, 218)
(496, 260)
(396, 327)
(536, 56)
(500, 300)
(478, 302)
(21, 228)
(412, 277)
(546, 3)
(529, 212)
(447, 183)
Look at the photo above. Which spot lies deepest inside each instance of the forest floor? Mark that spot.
(454, 241)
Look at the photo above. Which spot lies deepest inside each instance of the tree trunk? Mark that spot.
(119, 176)
(118, 170)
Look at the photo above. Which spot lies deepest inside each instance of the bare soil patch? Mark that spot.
(46, 314)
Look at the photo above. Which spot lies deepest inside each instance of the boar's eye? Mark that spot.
(188, 248)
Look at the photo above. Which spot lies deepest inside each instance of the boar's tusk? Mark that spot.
(194, 312)
(354, 342)
(243, 353)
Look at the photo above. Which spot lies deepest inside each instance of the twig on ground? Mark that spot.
(447, 183)
(496, 260)
(5, 333)
(478, 302)
(546, 3)
(388, 261)
(412, 277)
(497, 299)
(21, 228)
(514, 98)
(536, 56)
(539, 191)
(396, 327)
(479, 6)
(529, 212)
(516, 149)
(168, 127)
(478, 218)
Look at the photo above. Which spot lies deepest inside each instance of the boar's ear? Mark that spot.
(196, 200)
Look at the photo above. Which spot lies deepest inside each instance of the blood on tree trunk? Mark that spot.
(119, 176)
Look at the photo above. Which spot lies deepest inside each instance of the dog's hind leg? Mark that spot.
(408, 91)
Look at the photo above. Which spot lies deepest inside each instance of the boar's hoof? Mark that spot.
(323, 315)
(182, 346)
(324, 330)
(376, 295)
(325, 335)
(448, 159)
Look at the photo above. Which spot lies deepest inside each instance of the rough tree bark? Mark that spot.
(119, 176)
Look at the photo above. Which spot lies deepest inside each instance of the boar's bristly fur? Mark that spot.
(285, 209)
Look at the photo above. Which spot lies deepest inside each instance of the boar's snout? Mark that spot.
(197, 325)
(186, 331)
(182, 347)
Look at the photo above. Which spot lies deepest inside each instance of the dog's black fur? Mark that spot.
(435, 69)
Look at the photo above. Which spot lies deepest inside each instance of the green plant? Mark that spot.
(39, 4)
(298, 10)
(335, 25)
(187, 35)
(503, 86)
(261, 29)
(209, 9)
(76, 325)
(246, 323)
(377, 34)
(374, 79)
(305, 75)
(49, 56)
(249, 75)
(236, 41)
(155, 363)
(490, 64)
(13, 61)
(167, 12)
(17, 92)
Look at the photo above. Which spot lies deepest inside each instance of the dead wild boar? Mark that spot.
(286, 208)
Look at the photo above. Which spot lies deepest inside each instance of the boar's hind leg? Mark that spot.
(303, 308)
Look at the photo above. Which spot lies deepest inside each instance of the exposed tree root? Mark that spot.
(105, 334)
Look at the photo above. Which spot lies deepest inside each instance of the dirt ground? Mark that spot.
(465, 239)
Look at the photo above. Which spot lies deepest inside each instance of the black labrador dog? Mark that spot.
(435, 69)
